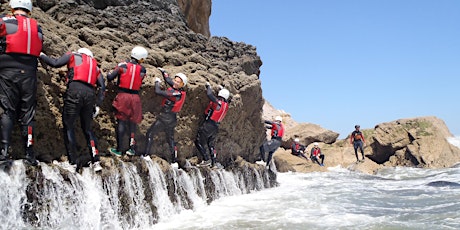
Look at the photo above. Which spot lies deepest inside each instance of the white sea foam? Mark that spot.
(398, 198)
(454, 140)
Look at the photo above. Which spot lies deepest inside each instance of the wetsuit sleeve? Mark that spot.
(302, 147)
(166, 93)
(143, 72)
(101, 83)
(63, 60)
(114, 73)
(268, 122)
(210, 95)
(168, 79)
(159, 91)
(351, 137)
(40, 33)
(2, 28)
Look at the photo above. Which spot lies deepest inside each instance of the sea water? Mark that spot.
(395, 198)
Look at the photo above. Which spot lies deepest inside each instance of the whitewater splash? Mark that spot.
(136, 195)
(454, 141)
(395, 198)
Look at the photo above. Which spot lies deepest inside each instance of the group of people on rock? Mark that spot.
(316, 155)
(21, 41)
(297, 149)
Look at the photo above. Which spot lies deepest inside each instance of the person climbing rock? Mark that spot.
(80, 101)
(270, 146)
(173, 100)
(127, 104)
(207, 133)
(21, 41)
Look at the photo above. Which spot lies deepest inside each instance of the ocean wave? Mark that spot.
(454, 141)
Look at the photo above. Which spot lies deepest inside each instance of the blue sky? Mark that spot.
(337, 63)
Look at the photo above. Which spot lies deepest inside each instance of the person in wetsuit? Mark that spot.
(357, 140)
(214, 114)
(298, 149)
(173, 100)
(270, 146)
(316, 154)
(127, 103)
(83, 77)
(21, 41)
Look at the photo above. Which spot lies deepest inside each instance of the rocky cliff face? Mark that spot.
(197, 13)
(111, 29)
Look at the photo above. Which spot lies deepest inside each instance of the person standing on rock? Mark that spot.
(83, 76)
(127, 103)
(316, 154)
(270, 146)
(21, 41)
(173, 100)
(214, 114)
(357, 140)
(297, 149)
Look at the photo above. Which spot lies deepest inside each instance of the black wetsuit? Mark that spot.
(298, 150)
(207, 132)
(358, 139)
(18, 89)
(167, 119)
(274, 143)
(79, 102)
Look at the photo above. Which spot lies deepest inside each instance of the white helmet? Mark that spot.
(315, 144)
(25, 4)
(278, 118)
(85, 51)
(224, 93)
(183, 77)
(296, 140)
(139, 53)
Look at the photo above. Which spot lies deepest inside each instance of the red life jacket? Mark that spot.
(84, 69)
(176, 105)
(216, 111)
(26, 39)
(357, 135)
(295, 147)
(131, 78)
(316, 152)
(277, 130)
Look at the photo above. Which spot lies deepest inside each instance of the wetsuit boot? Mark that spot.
(30, 156)
(26, 132)
(148, 146)
(4, 153)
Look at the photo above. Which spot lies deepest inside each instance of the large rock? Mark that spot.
(111, 29)
(420, 142)
(415, 142)
(197, 14)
